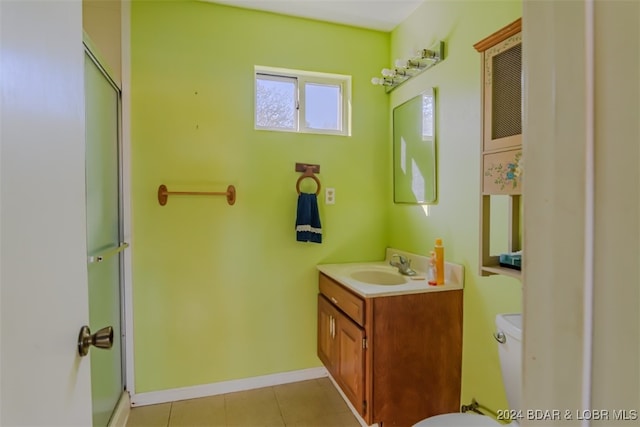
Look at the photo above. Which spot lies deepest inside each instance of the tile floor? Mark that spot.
(306, 403)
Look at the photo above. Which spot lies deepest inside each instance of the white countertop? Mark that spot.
(341, 273)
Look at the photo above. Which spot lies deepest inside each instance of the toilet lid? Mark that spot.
(458, 420)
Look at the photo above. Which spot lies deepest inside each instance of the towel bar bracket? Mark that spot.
(306, 167)
(162, 195)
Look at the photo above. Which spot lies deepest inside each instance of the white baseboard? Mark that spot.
(204, 390)
(121, 412)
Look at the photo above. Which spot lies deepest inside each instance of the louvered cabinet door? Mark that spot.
(503, 94)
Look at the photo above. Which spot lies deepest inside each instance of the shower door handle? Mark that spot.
(108, 253)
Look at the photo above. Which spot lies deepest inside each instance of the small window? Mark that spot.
(301, 101)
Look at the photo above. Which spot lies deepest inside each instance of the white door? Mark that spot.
(43, 271)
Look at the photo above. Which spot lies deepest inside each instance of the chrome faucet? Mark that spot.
(403, 264)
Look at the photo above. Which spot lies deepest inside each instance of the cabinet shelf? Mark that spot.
(497, 269)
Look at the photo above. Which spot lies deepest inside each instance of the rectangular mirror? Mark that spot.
(414, 150)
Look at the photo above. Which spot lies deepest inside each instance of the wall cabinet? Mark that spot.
(501, 160)
(398, 359)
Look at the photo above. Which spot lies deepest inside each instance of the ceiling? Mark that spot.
(382, 15)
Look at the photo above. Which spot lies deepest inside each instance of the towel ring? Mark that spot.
(308, 174)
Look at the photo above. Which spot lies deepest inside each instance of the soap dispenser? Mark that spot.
(432, 275)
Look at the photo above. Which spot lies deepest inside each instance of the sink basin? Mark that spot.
(378, 277)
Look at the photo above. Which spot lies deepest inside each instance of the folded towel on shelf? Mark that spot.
(308, 228)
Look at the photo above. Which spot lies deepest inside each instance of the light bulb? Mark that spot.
(387, 72)
(400, 63)
(376, 81)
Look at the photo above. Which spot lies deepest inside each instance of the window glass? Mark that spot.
(322, 106)
(276, 102)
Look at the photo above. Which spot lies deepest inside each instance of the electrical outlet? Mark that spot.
(330, 196)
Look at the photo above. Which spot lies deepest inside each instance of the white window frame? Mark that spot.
(302, 78)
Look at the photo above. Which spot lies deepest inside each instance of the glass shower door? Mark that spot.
(104, 233)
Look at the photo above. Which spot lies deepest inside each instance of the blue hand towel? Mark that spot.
(308, 228)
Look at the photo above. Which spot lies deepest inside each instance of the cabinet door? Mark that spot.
(350, 353)
(503, 94)
(502, 172)
(326, 346)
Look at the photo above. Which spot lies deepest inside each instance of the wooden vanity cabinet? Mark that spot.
(400, 360)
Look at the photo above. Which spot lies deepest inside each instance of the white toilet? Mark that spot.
(509, 336)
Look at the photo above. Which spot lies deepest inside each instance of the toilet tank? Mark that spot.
(510, 351)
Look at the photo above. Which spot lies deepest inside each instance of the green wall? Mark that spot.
(455, 217)
(225, 292)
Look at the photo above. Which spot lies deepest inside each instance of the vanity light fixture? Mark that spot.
(406, 69)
